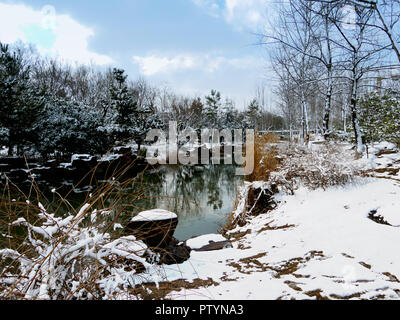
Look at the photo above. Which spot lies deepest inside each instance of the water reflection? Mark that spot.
(202, 196)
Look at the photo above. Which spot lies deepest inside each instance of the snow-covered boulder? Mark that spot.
(154, 215)
(83, 161)
(83, 157)
(208, 242)
(155, 227)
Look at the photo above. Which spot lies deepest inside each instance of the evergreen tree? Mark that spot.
(213, 109)
(196, 113)
(131, 120)
(379, 116)
(147, 119)
(125, 107)
(20, 104)
(68, 128)
(230, 118)
(253, 115)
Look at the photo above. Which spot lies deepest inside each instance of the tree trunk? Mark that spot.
(11, 143)
(328, 100)
(354, 116)
(328, 103)
(10, 149)
(306, 129)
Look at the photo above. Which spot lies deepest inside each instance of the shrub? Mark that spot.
(379, 116)
(81, 254)
(315, 169)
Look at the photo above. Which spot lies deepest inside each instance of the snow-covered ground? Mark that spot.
(385, 160)
(335, 240)
(316, 244)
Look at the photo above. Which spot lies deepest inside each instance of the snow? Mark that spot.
(383, 164)
(154, 215)
(201, 241)
(384, 145)
(322, 238)
(317, 243)
(61, 260)
(111, 157)
(84, 157)
(65, 165)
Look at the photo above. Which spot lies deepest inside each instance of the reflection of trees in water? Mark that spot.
(186, 190)
(150, 186)
(182, 189)
(214, 192)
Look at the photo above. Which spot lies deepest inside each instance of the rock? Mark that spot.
(209, 242)
(84, 157)
(216, 246)
(123, 150)
(10, 164)
(155, 227)
(18, 175)
(261, 200)
(83, 162)
(175, 253)
(52, 163)
(374, 216)
(14, 163)
(102, 170)
(56, 174)
(201, 241)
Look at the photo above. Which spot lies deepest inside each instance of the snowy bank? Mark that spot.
(316, 244)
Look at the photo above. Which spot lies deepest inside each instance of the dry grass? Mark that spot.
(265, 157)
(151, 291)
(28, 251)
(266, 161)
(284, 168)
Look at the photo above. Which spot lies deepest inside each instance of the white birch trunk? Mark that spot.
(354, 117)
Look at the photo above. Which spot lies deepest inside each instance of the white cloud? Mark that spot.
(70, 39)
(155, 64)
(195, 74)
(211, 6)
(242, 14)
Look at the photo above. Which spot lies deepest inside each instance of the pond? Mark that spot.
(201, 196)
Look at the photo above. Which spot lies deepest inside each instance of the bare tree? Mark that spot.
(297, 53)
(386, 20)
(361, 52)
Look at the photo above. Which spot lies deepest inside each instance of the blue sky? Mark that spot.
(191, 46)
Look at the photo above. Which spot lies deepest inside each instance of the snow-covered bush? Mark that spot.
(315, 169)
(298, 166)
(70, 128)
(21, 104)
(71, 258)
